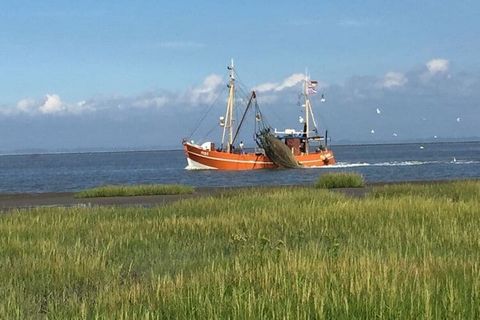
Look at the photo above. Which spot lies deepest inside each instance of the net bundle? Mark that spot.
(276, 150)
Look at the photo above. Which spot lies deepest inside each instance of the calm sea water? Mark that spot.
(378, 163)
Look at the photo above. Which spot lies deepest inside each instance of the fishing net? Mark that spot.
(276, 150)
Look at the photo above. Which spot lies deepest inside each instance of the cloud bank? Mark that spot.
(52, 104)
(422, 102)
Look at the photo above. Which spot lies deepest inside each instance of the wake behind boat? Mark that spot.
(275, 149)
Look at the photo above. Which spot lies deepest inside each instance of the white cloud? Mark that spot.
(26, 105)
(264, 87)
(288, 82)
(291, 81)
(52, 104)
(151, 102)
(207, 92)
(435, 66)
(393, 79)
(265, 99)
(211, 83)
(80, 107)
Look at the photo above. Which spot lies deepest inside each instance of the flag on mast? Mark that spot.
(312, 86)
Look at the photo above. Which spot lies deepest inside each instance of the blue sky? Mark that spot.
(79, 74)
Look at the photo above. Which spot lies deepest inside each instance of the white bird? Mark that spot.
(454, 159)
(434, 137)
(395, 134)
(372, 131)
(379, 111)
(459, 119)
(422, 147)
(300, 119)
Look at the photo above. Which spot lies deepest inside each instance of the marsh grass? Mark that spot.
(135, 190)
(340, 180)
(454, 191)
(291, 253)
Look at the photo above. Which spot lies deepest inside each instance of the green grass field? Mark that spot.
(135, 190)
(405, 251)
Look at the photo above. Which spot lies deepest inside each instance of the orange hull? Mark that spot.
(199, 158)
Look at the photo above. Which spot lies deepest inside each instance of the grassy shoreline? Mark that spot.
(402, 251)
(135, 190)
(207, 189)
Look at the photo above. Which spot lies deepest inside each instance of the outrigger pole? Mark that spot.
(252, 96)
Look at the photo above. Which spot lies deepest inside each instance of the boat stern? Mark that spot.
(329, 158)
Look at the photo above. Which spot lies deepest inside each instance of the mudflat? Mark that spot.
(67, 199)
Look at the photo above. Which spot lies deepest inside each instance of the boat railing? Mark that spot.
(256, 150)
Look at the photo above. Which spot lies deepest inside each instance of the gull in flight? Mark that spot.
(379, 111)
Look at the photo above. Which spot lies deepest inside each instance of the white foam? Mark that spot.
(347, 165)
(464, 162)
(396, 164)
(379, 164)
(402, 163)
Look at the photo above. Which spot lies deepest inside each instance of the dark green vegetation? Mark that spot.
(135, 190)
(340, 180)
(409, 251)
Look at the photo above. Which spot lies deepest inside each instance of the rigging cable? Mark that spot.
(199, 122)
(208, 133)
(280, 120)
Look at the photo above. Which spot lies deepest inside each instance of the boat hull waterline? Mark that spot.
(203, 159)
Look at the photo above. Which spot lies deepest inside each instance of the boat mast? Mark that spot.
(307, 111)
(309, 88)
(229, 114)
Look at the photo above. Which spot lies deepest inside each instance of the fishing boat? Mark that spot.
(289, 148)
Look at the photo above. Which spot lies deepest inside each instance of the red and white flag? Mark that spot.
(312, 87)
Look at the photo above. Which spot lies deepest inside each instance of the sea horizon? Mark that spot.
(178, 147)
